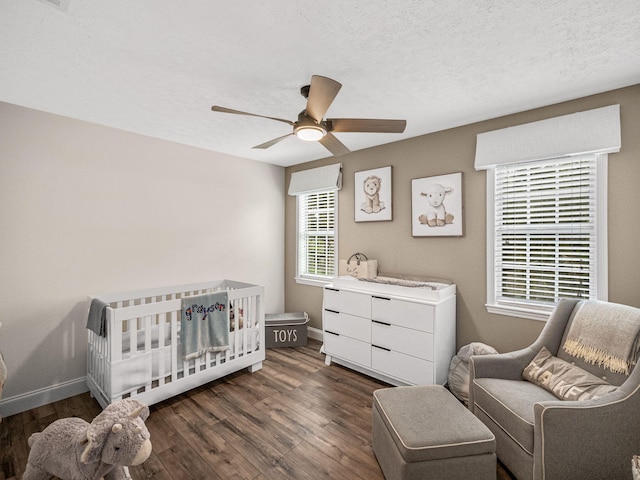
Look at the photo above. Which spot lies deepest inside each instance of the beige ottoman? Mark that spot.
(424, 432)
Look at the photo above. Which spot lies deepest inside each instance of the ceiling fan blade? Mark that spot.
(335, 146)
(217, 108)
(272, 142)
(322, 91)
(366, 125)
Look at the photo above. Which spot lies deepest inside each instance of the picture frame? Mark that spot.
(373, 195)
(436, 206)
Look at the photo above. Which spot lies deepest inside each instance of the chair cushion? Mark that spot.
(509, 403)
(428, 423)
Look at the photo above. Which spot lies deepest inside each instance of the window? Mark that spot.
(316, 192)
(546, 210)
(548, 234)
(317, 229)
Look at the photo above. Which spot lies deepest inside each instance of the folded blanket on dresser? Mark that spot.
(204, 324)
(605, 334)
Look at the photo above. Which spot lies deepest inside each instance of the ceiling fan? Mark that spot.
(311, 126)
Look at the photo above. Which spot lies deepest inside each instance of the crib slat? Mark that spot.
(162, 367)
(174, 345)
(114, 334)
(148, 333)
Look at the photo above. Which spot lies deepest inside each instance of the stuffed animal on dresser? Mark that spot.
(72, 449)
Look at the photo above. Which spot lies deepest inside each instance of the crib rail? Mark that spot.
(141, 356)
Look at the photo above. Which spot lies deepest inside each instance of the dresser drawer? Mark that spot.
(347, 348)
(342, 301)
(411, 342)
(408, 369)
(418, 316)
(349, 325)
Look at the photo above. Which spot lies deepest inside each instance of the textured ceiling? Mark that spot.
(155, 67)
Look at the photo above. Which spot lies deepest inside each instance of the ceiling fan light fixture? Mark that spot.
(310, 133)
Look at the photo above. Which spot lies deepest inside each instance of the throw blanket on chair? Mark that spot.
(605, 334)
(205, 324)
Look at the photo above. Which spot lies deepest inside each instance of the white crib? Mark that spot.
(141, 355)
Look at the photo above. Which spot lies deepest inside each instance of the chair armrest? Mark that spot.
(510, 365)
(587, 439)
(504, 365)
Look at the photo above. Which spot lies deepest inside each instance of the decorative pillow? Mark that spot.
(563, 379)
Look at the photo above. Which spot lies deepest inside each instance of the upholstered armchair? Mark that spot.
(542, 437)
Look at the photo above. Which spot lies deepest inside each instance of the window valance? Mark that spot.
(318, 179)
(591, 131)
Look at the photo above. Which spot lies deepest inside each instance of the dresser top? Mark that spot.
(426, 290)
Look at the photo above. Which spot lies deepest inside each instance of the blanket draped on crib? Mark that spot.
(204, 324)
(97, 318)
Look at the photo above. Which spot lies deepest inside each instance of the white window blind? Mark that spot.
(317, 218)
(546, 222)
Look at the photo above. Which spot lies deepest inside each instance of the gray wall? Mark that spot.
(87, 209)
(463, 259)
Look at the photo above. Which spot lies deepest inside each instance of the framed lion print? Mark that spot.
(436, 206)
(373, 199)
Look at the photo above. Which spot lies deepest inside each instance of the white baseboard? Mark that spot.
(44, 396)
(314, 333)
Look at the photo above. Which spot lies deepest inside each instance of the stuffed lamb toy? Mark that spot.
(72, 449)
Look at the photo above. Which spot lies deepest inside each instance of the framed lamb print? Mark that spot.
(373, 195)
(436, 206)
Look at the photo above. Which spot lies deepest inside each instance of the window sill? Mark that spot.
(541, 314)
(313, 281)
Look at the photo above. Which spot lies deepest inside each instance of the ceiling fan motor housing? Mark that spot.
(306, 128)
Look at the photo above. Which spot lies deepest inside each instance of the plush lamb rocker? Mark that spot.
(72, 449)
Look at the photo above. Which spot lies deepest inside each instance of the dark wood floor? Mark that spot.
(294, 419)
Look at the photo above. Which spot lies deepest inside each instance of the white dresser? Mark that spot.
(401, 335)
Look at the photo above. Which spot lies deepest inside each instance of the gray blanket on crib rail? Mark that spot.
(204, 324)
(97, 318)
